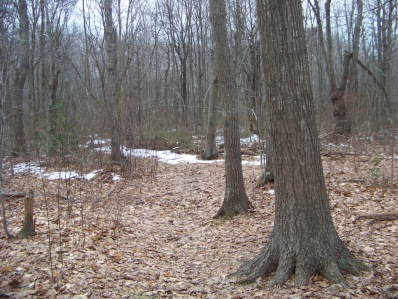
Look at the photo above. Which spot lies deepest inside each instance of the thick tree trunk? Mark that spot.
(304, 241)
(235, 198)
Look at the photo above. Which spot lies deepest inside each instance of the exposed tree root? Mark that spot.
(303, 265)
(263, 264)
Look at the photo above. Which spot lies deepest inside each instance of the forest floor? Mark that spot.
(151, 234)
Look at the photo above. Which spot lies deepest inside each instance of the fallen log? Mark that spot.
(243, 151)
(380, 216)
(13, 194)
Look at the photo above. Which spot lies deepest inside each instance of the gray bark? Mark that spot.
(353, 74)
(21, 74)
(304, 241)
(112, 82)
(28, 228)
(235, 198)
(386, 15)
(340, 118)
(211, 151)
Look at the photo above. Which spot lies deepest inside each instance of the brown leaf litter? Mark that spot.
(153, 236)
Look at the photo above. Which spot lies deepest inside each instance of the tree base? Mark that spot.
(229, 210)
(265, 178)
(302, 264)
(213, 156)
(28, 228)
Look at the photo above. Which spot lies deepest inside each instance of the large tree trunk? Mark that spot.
(235, 198)
(19, 80)
(304, 241)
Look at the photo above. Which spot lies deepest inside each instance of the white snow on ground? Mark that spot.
(32, 167)
(243, 141)
(163, 156)
(61, 175)
(166, 156)
(90, 175)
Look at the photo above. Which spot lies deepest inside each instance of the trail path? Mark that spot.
(155, 237)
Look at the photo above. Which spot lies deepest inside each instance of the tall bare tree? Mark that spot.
(178, 25)
(303, 241)
(20, 76)
(386, 29)
(112, 88)
(235, 198)
(211, 151)
(342, 123)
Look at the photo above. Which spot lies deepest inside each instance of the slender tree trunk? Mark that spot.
(235, 198)
(41, 82)
(253, 88)
(386, 15)
(184, 91)
(352, 87)
(353, 74)
(19, 80)
(28, 228)
(112, 84)
(211, 151)
(267, 175)
(341, 121)
(304, 241)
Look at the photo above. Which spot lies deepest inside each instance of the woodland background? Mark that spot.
(72, 82)
(55, 83)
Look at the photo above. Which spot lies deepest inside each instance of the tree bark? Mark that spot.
(353, 73)
(341, 121)
(112, 84)
(386, 14)
(304, 241)
(211, 151)
(235, 198)
(19, 80)
(28, 228)
(267, 174)
(384, 216)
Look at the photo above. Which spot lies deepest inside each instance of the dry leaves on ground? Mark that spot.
(154, 236)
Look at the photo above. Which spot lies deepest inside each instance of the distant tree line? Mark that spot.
(131, 70)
